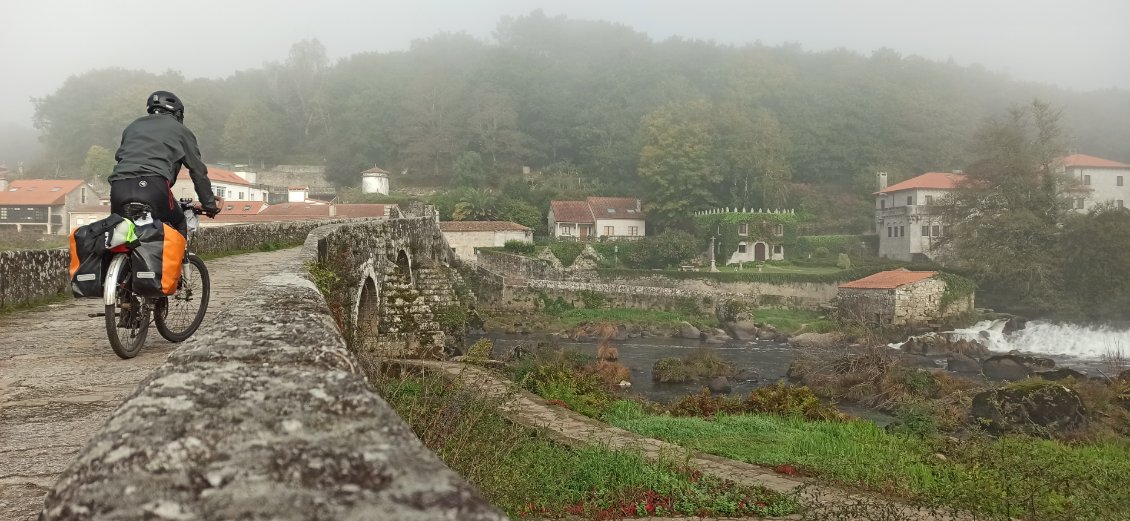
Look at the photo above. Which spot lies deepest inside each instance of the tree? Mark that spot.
(99, 163)
(469, 171)
(1096, 268)
(1003, 223)
(676, 162)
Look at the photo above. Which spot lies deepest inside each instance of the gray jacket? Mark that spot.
(158, 145)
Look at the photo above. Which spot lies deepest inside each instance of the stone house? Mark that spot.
(42, 205)
(899, 297)
(465, 236)
(608, 218)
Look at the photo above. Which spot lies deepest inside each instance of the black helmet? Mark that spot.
(165, 102)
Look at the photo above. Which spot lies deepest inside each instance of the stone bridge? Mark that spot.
(265, 414)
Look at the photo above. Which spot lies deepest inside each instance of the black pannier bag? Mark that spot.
(89, 245)
(156, 260)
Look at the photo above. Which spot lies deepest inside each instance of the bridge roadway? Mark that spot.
(59, 380)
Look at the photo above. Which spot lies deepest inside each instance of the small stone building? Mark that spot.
(899, 297)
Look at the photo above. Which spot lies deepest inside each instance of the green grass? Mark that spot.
(524, 473)
(791, 320)
(773, 268)
(1014, 476)
(575, 317)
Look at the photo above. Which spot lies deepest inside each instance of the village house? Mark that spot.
(898, 298)
(907, 216)
(42, 205)
(234, 186)
(740, 235)
(465, 236)
(608, 218)
(1102, 180)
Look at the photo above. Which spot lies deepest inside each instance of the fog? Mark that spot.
(1078, 45)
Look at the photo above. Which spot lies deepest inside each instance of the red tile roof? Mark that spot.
(1085, 161)
(319, 209)
(216, 175)
(615, 207)
(929, 180)
(481, 226)
(889, 279)
(242, 207)
(39, 192)
(571, 212)
(363, 210)
(375, 170)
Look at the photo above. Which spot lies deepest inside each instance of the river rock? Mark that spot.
(815, 340)
(916, 361)
(743, 330)
(746, 375)
(1004, 367)
(1061, 373)
(765, 334)
(1032, 361)
(1038, 408)
(959, 363)
(720, 385)
(689, 332)
(621, 334)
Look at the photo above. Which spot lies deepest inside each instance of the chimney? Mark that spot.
(333, 210)
(247, 176)
(958, 172)
(3, 180)
(882, 178)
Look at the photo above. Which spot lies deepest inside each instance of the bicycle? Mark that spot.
(176, 316)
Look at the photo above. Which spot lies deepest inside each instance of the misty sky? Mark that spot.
(1080, 44)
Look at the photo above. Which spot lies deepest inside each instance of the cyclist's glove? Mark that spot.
(210, 212)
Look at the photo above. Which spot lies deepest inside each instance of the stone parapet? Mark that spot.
(265, 414)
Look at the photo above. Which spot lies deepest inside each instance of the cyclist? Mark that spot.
(153, 149)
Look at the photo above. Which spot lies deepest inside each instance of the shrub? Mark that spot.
(519, 247)
(592, 299)
(699, 365)
(787, 400)
(706, 405)
(480, 351)
(914, 418)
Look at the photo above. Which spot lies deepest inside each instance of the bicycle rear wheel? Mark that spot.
(127, 318)
(178, 316)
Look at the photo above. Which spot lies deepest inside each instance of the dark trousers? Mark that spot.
(151, 190)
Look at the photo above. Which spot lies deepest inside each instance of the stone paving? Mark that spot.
(573, 428)
(59, 380)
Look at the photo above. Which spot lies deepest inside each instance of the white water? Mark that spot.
(1086, 343)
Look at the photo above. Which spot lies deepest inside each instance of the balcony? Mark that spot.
(908, 211)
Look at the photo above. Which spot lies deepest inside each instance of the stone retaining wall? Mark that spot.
(267, 416)
(27, 276)
(517, 266)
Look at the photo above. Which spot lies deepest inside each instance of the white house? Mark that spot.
(465, 236)
(1102, 180)
(906, 214)
(42, 205)
(374, 181)
(234, 186)
(603, 217)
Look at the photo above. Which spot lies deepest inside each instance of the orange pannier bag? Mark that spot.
(156, 260)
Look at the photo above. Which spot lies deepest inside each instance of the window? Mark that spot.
(1119, 203)
(929, 200)
(882, 204)
(780, 230)
(241, 196)
(902, 231)
(1087, 180)
(609, 231)
(220, 191)
(937, 231)
(3, 213)
(1118, 181)
(633, 231)
(82, 193)
(777, 249)
(566, 229)
(909, 200)
(925, 231)
(889, 232)
(1079, 203)
(741, 247)
(743, 229)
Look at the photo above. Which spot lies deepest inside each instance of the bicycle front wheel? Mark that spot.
(179, 315)
(127, 315)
